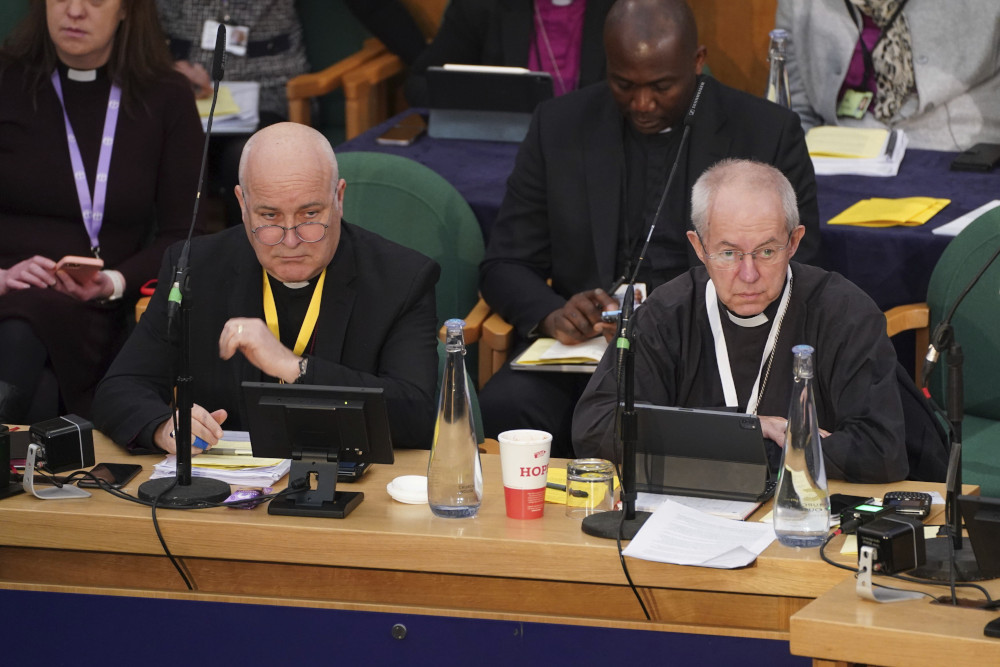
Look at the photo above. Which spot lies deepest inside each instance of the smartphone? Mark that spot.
(81, 269)
(115, 474)
(403, 133)
(610, 316)
(913, 503)
(981, 157)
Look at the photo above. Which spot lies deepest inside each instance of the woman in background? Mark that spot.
(100, 144)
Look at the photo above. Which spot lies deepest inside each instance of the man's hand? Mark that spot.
(252, 337)
(580, 318)
(199, 78)
(35, 271)
(774, 429)
(99, 286)
(204, 424)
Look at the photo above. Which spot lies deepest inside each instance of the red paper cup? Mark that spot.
(524, 461)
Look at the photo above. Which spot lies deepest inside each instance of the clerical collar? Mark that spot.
(82, 75)
(748, 322)
(298, 285)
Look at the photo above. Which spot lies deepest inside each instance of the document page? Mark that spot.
(684, 536)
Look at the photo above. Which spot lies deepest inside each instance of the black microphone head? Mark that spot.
(219, 60)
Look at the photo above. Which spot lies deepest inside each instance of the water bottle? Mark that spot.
(454, 473)
(777, 79)
(801, 503)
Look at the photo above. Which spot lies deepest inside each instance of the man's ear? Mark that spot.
(793, 243)
(696, 244)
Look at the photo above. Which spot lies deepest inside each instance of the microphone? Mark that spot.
(181, 490)
(943, 336)
(180, 271)
(626, 523)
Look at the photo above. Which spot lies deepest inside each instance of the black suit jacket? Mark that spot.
(559, 218)
(500, 32)
(376, 328)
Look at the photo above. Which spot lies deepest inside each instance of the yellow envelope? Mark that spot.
(878, 212)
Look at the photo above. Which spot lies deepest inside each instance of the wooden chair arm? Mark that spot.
(915, 317)
(494, 346)
(473, 323)
(366, 103)
(302, 88)
(140, 306)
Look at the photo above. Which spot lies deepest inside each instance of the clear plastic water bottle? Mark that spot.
(801, 503)
(454, 473)
(777, 80)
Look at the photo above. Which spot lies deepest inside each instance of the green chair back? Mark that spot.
(11, 13)
(976, 325)
(412, 205)
(331, 33)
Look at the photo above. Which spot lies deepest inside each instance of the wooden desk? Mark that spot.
(841, 626)
(390, 557)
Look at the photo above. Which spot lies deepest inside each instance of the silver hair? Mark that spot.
(749, 174)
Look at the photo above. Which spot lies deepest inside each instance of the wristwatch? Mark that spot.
(303, 363)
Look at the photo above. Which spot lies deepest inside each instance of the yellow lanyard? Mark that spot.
(308, 324)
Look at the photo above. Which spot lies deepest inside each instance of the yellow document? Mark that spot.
(224, 106)
(877, 212)
(551, 351)
(845, 142)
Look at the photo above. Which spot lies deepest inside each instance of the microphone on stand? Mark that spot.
(946, 558)
(625, 523)
(182, 490)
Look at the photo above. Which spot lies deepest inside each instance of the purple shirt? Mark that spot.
(563, 26)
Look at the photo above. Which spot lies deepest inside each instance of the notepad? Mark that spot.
(550, 351)
(846, 142)
(225, 105)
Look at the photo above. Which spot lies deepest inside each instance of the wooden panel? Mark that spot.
(736, 34)
(841, 626)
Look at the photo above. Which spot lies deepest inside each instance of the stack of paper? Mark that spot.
(230, 461)
(865, 152)
(236, 110)
(877, 212)
(685, 536)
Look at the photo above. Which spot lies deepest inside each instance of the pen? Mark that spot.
(891, 144)
(576, 493)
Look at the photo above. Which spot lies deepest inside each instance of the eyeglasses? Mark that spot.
(727, 260)
(308, 232)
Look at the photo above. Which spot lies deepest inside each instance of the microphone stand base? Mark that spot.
(201, 490)
(937, 566)
(606, 524)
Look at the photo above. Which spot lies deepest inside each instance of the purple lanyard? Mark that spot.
(93, 211)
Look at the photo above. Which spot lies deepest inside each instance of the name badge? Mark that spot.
(237, 37)
(854, 103)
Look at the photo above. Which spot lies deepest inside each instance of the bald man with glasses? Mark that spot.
(295, 295)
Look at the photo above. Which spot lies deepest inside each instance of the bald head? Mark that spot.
(645, 24)
(285, 146)
(292, 200)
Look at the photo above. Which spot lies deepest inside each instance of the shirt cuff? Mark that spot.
(118, 280)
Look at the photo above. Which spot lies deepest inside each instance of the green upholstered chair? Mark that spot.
(977, 329)
(412, 205)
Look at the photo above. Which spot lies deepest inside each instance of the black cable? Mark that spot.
(621, 557)
(163, 542)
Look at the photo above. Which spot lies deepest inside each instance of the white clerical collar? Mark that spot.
(299, 285)
(83, 75)
(748, 322)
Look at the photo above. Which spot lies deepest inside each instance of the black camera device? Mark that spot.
(898, 541)
(67, 443)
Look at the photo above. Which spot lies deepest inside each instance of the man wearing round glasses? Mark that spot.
(297, 295)
(721, 335)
